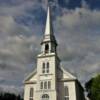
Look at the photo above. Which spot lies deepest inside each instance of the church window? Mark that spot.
(49, 85)
(31, 93)
(43, 68)
(47, 67)
(46, 48)
(45, 97)
(66, 93)
(45, 85)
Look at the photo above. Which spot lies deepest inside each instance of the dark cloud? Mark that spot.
(70, 4)
(28, 19)
(79, 41)
(13, 2)
(93, 4)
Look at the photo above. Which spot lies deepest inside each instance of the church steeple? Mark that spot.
(49, 42)
(48, 28)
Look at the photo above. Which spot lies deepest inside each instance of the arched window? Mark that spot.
(46, 48)
(45, 85)
(45, 97)
(43, 68)
(47, 70)
(66, 93)
(31, 93)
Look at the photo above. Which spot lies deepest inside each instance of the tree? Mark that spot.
(93, 88)
(9, 96)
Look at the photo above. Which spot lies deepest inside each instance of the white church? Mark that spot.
(49, 81)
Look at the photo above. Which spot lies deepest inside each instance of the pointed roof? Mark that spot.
(48, 28)
(48, 35)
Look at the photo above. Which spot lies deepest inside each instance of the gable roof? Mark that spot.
(67, 75)
(30, 75)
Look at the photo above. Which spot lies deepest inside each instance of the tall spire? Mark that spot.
(48, 35)
(48, 43)
(48, 28)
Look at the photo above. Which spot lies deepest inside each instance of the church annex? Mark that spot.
(49, 81)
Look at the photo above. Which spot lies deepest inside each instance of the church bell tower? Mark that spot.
(47, 62)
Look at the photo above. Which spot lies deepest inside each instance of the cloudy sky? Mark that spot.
(76, 27)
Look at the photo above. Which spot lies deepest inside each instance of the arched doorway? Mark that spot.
(45, 97)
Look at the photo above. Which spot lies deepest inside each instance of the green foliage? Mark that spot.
(93, 88)
(9, 96)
